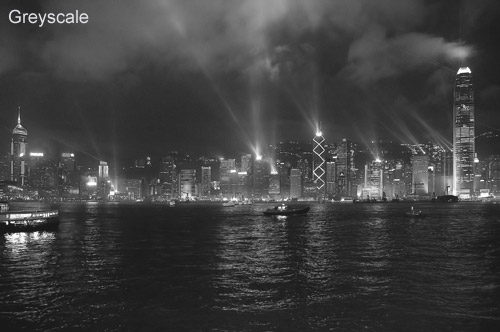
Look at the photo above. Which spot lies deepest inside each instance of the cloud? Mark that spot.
(247, 36)
(7, 61)
(216, 34)
(376, 56)
(190, 34)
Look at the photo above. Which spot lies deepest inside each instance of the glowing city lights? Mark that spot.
(464, 134)
(319, 161)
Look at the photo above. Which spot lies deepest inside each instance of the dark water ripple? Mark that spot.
(342, 267)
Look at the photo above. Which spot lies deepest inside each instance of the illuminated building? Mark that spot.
(260, 177)
(284, 173)
(206, 179)
(18, 154)
(319, 163)
(492, 174)
(36, 164)
(330, 178)
(168, 177)
(274, 184)
(228, 177)
(394, 186)
(187, 183)
(103, 170)
(129, 189)
(420, 167)
(91, 181)
(443, 173)
(42, 174)
(295, 183)
(463, 135)
(242, 188)
(4, 168)
(305, 164)
(345, 168)
(66, 174)
(103, 181)
(373, 187)
(244, 176)
(246, 163)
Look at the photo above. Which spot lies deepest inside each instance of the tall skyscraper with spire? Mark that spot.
(18, 153)
(319, 169)
(463, 134)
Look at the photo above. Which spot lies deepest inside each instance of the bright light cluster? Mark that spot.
(319, 161)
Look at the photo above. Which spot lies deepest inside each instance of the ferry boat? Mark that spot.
(27, 220)
(285, 210)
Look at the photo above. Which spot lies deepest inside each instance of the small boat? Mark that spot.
(28, 220)
(171, 203)
(285, 210)
(415, 214)
(229, 204)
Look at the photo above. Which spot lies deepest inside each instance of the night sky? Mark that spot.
(226, 77)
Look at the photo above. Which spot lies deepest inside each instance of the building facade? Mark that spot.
(345, 168)
(18, 154)
(319, 164)
(463, 135)
(187, 184)
(420, 167)
(295, 183)
(206, 179)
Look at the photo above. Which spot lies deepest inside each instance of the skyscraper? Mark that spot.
(463, 135)
(168, 176)
(319, 170)
(420, 167)
(260, 177)
(18, 153)
(330, 178)
(246, 163)
(345, 168)
(66, 174)
(206, 179)
(295, 183)
(228, 177)
(187, 183)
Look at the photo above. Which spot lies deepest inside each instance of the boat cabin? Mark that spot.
(4, 206)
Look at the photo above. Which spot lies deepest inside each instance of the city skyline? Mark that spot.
(317, 170)
(238, 76)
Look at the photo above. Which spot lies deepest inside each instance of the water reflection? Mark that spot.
(340, 267)
(22, 242)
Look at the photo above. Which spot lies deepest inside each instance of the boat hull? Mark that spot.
(272, 212)
(12, 222)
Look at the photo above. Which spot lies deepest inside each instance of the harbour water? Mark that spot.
(195, 267)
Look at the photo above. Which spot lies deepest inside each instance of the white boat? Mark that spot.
(229, 204)
(27, 220)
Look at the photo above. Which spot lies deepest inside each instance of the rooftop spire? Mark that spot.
(19, 129)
